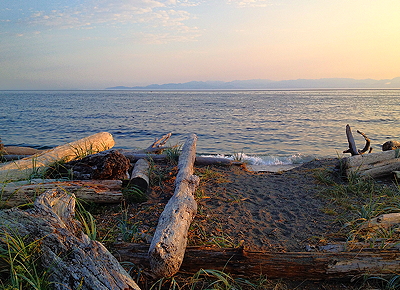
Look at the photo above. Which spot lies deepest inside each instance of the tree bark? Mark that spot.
(23, 169)
(169, 242)
(97, 191)
(74, 261)
(287, 265)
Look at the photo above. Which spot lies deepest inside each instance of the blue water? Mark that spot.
(272, 124)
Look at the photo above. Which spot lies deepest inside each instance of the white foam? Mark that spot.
(266, 160)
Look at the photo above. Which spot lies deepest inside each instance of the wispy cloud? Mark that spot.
(250, 3)
(163, 16)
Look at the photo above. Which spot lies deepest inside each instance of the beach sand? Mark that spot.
(267, 211)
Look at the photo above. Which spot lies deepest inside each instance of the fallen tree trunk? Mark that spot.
(287, 265)
(97, 191)
(373, 165)
(140, 175)
(24, 168)
(73, 260)
(200, 160)
(169, 242)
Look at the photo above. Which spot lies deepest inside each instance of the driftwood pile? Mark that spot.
(76, 261)
(168, 246)
(373, 165)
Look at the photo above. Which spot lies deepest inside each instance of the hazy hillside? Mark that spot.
(327, 83)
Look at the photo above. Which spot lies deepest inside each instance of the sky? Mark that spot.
(94, 44)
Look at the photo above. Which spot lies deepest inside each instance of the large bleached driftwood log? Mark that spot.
(287, 265)
(373, 165)
(169, 242)
(23, 169)
(97, 191)
(74, 261)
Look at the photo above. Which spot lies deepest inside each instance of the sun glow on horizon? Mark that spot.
(75, 44)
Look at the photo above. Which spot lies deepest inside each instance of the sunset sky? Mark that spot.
(94, 44)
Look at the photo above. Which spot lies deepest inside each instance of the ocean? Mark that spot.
(267, 127)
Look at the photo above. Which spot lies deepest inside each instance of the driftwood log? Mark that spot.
(287, 265)
(24, 168)
(199, 160)
(74, 261)
(169, 242)
(97, 191)
(373, 165)
(140, 175)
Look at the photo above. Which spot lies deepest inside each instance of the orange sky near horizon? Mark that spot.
(96, 44)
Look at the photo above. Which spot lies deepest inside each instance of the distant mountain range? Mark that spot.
(259, 84)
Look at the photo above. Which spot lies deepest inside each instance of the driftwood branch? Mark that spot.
(170, 238)
(74, 261)
(24, 168)
(157, 146)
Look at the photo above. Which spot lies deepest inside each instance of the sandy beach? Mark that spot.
(267, 211)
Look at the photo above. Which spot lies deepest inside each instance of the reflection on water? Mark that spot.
(262, 122)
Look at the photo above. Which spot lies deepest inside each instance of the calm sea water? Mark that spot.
(277, 125)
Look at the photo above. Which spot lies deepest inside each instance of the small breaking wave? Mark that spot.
(267, 160)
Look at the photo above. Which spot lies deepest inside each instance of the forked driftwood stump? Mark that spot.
(352, 144)
(169, 242)
(74, 261)
(23, 168)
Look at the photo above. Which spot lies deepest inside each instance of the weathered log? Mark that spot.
(97, 191)
(288, 265)
(73, 260)
(140, 175)
(200, 160)
(373, 165)
(365, 159)
(390, 145)
(169, 242)
(382, 221)
(24, 168)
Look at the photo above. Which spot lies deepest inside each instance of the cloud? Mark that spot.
(250, 3)
(149, 15)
